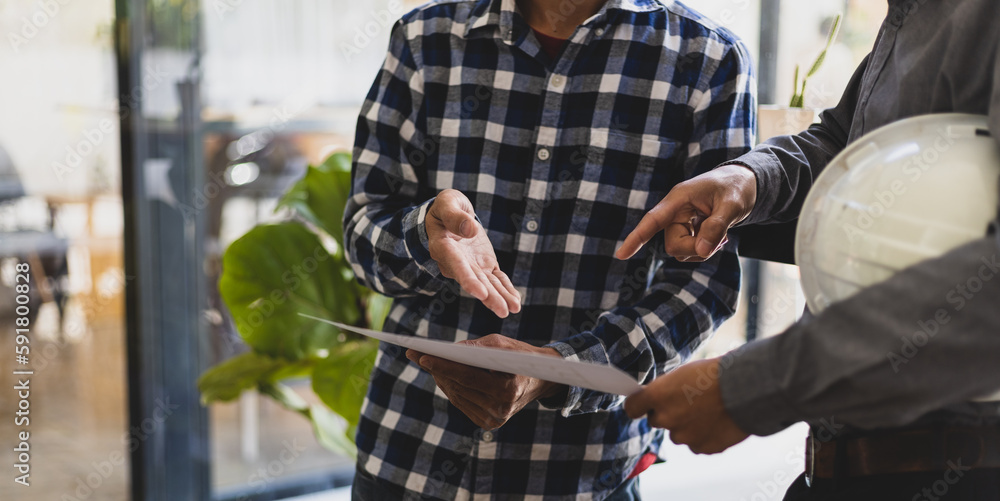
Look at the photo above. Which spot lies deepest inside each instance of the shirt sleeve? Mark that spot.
(786, 166)
(384, 232)
(924, 340)
(678, 305)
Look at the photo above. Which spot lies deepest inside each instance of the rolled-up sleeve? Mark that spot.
(384, 228)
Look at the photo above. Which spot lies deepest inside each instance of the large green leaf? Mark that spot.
(320, 196)
(341, 380)
(286, 397)
(330, 430)
(226, 381)
(378, 309)
(273, 273)
(290, 370)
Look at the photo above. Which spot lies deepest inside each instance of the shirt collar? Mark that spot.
(499, 14)
(637, 5)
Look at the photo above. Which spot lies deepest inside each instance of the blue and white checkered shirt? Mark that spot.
(561, 158)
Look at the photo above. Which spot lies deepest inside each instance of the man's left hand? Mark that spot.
(688, 403)
(488, 398)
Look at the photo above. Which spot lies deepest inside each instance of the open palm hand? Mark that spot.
(465, 254)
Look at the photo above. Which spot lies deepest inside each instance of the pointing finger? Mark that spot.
(658, 218)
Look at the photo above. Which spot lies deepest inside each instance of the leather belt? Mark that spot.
(932, 449)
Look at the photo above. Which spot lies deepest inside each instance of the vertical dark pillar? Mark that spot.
(767, 69)
(767, 65)
(162, 186)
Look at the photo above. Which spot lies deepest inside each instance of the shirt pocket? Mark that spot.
(623, 177)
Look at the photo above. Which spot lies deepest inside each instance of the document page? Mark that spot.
(603, 378)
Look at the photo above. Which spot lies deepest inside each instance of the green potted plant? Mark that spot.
(276, 271)
(774, 120)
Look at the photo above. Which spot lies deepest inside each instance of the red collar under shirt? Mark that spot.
(550, 45)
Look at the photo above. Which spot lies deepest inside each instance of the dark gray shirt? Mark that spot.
(931, 56)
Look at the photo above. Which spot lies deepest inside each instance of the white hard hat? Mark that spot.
(907, 192)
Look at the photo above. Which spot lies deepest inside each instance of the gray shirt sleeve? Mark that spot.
(925, 339)
(785, 166)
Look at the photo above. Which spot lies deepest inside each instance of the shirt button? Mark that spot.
(532, 225)
(543, 154)
(487, 436)
(599, 32)
(558, 81)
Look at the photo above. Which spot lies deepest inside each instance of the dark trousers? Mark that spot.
(367, 487)
(953, 485)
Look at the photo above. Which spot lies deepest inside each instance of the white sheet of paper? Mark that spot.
(604, 378)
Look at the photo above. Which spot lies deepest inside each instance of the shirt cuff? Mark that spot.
(416, 241)
(767, 169)
(584, 347)
(751, 393)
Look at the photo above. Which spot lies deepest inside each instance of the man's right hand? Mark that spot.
(464, 253)
(696, 215)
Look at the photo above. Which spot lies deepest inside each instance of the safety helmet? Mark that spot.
(905, 193)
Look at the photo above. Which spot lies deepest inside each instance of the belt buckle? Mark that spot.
(810, 458)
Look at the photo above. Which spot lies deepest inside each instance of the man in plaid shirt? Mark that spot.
(502, 155)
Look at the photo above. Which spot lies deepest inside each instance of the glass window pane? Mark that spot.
(742, 17)
(803, 34)
(61, 227)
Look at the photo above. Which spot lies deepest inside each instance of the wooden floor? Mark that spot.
(78, 425)
(77, 418)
